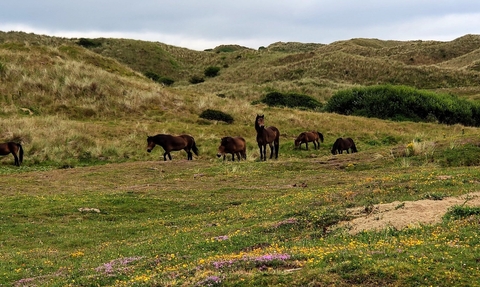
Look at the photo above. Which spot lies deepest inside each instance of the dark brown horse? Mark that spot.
(343, 144)
(15, 149)
(307, 137)
(173, 143)
(269, 135)
(235, 146)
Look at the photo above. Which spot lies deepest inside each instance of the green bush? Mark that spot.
(163, 80)
(291, 100)
(153, 76)
(404, 103)
(215, 115)
(211, 71)
(196, 80)
(87, 43)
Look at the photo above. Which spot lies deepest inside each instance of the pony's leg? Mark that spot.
(277, 148)
(17, 162)
(165, 156)
(271, 150)
(233, 156)
(306, 145)
(261, 152)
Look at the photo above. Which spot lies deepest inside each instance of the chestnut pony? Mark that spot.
(307, 137)
(233, 145)
(343, 144)
(173, 143)
(267, 135)
(15, 149)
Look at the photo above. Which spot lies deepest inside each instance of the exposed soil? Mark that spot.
(405, 214)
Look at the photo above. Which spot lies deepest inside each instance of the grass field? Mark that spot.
(187, 223)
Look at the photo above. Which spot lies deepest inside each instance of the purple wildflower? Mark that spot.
(116, 265)
(209, 281)
(221, 238)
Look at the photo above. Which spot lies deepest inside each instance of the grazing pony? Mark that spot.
(235, 146)
(307, 137)
(173, 143)
(343, 144)
(269, 135)
(15, 149)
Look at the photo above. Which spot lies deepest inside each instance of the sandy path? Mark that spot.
(409, 213)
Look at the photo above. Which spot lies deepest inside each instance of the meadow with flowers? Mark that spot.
(194, 223)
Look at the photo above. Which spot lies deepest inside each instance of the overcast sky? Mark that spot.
(203, 24)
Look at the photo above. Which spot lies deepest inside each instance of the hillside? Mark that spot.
(89, 206)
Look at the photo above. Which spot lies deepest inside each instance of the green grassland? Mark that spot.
(90, 207)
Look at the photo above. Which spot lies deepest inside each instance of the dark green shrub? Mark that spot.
(211, 71)
(215, 115)
(291, 100)
(88, 43)
(196, 80)
(152, 75)
(404, 103)
(166, 81)
(155, 77)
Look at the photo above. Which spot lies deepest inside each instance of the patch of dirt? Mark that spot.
(405, 214)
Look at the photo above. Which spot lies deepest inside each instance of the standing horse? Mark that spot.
(307, 137)
(173, 143)
(269, 135)
(343, 144)
(15, 149)
(233, 145)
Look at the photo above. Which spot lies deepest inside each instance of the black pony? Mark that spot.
(342, 144)
(15, 149)
(173, 143)
(269, 135)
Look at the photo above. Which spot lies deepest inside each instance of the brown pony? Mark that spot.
(233, 145)
(343, 144)
(15, 149)
(307, 137)
(173, 143)
(269, 135)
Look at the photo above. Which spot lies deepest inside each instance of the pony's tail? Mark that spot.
(20, 156)
(321, 136)
(354, 147)
(194, 148)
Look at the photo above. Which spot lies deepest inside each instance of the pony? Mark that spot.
(15, 149)
(307, 137)
(343, 144)
(234, 145)
(269, 135)
(173, 143)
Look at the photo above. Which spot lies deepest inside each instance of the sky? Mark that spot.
(205, 24)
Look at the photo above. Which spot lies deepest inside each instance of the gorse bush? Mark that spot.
(215, 115)
(404, 103)
(291, 100)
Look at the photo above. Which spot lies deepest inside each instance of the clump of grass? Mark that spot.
(459, 212)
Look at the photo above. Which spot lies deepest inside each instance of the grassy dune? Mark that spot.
(90, 207)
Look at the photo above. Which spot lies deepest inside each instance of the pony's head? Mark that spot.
(150, 144)
(260, 121)
(298, 140)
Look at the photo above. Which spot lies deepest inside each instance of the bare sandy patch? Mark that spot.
(399, 214)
